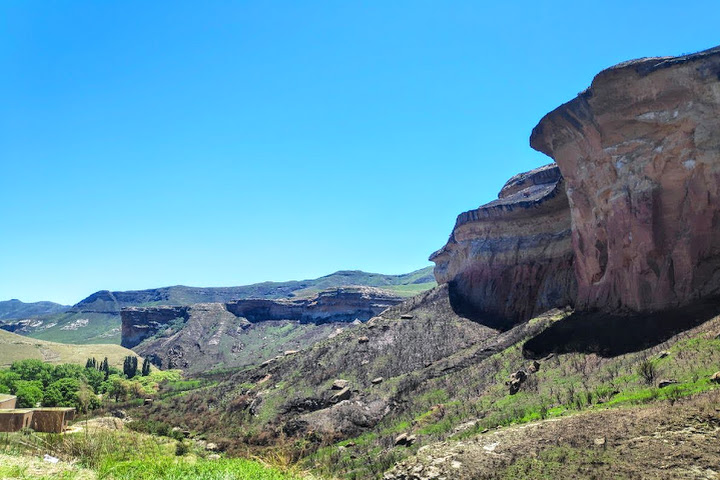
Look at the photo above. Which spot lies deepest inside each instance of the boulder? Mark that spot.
(363, 339)
(341, 395)
(534, 367)
(666, 383)
(376, 380)
(405, 440)
(339, 384)
(715, 378)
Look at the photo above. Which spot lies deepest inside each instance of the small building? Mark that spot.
(51, 420)
(7, 401)
(15, 419)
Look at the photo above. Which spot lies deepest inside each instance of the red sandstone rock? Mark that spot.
(640, 152)
(512, 258)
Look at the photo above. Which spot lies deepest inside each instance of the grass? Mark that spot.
(15, 347)
(167, 468)
(119, 455)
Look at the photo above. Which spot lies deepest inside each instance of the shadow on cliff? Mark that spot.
(611, 335)
(463, 308)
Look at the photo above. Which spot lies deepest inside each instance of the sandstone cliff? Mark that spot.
(512, 258)
(640, 152)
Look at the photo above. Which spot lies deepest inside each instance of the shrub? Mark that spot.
(647, 371)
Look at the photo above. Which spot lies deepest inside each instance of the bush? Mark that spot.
(647, 371)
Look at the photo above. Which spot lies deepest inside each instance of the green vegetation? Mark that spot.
(68, 385)
(118, 455)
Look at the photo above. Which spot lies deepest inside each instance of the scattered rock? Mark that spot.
(339, 384)
(377, 380)
(341, 395)
(148, 401)
(213, 456)
(407, 316)
(663, 354)
(264, 379)
(363, 340)
(516, 380)
(600, 442)
(287, 353)
(211, 447)
(118, 413)
(715, 378)
(405, 440)
(534, 367)
(267, 362)
(666, 383)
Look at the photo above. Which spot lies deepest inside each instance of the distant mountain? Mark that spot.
(15, 309)
(96, 319)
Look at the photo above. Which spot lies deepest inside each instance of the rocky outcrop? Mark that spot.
(139, 323)
(345, 304)
(640, 152)
(512, 258)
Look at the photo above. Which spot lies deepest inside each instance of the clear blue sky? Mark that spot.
(145, 144)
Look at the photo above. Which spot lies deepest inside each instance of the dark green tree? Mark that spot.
(105, 368)
(130, 366)
(91, 363)
(146, 367)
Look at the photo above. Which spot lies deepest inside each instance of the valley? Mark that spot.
(571, 327)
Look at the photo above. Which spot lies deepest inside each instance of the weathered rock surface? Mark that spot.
(640, 152)
(139, 323)
(512, 258)
(344, 304)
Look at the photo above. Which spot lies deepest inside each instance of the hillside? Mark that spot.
(575, 332)
(15, 309)
(15, 347)
(208, 336)
(96, 319)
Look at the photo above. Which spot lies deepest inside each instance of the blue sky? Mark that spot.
(145, 144)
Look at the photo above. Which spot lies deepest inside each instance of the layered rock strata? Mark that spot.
(345, 304)
(512, 258)
(640, 152)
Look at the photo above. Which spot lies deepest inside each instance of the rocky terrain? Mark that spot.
(213, 335)
(589, 284)
(512, 258)
(96, 319)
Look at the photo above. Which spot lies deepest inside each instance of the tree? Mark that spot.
(146, 367)
(117, 387)
(32, 369)
(62, 393)
(130, 366)
(91, 363)
(105, 368)
(28, 393)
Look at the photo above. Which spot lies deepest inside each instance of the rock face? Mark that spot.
(345, 304)
(640, 152)
(512, 258)
(139, 323)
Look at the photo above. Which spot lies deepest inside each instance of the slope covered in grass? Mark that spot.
(15, 347)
